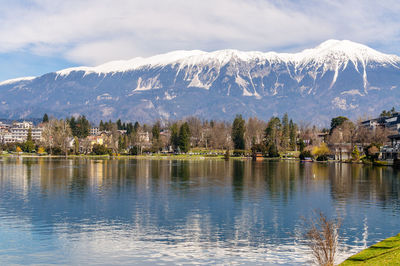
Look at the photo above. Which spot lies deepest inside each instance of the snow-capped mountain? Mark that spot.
(335, 78)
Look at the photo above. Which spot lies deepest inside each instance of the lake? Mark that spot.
(127, 211)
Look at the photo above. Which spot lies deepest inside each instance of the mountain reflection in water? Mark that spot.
(84, 211)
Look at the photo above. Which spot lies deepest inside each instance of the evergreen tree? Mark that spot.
(76, 145)
(302, 145)
(174, 136)
(45, 118)
(29, 137)
(84, 127)
(293, 135)
(120, 143)
(388, 113)
(156, 131)
(273, 151)
(119, 124)
(136, 127)
(101, 125)
(238, 130)
(355, 154)
(285, 132)
(337, 121)
(79, 127)
(184, 137)
(72, 124)
(29, 144)
(272, 133)
(129, 128)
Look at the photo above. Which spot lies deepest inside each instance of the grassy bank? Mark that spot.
(160, 156)
(386, 252)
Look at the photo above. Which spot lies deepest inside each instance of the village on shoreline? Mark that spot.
(374, 141)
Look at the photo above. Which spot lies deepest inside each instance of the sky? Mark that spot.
(41, 36)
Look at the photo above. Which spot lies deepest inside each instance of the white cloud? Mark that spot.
(95, 31)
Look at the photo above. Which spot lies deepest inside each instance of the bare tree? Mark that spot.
(220, 136)
(195, 127)
(323, 236)
(254, 131)
(85, 145)
(381, 134)
(56, 134)
(112, 140)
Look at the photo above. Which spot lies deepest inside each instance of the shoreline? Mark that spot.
(183, 157)
(385, 252)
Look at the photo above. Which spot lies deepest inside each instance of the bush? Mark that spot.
(41, 150)
(135, 150)
(372, 152)
(12, 147)
(321, 151)
(322, 158)
(100, 150)
(56, 151)
(28, 146)
(238, 153)
(227, 155)
(305, 154)
(273, 151)
(355, 154)
(259, 148)
(323, 236)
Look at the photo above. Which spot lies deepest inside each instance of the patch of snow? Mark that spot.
(276, 86)
(313, 74)
(352, 92)
(11, 81)
(148, 104)
(342, 104)
(335, 76)
(25, 114)
(106, 111)
(145, 85)
(169, 97)
(104, 96)
(303, 88)
(243, 84)
(164, 114)
(196, 83)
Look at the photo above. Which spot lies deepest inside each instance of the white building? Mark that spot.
(94, 131)
(18, 132)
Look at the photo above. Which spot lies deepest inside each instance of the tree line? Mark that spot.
(273, 138)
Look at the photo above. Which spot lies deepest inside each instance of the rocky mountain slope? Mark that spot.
(335, 78)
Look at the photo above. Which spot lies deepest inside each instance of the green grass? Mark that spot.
(386, 252)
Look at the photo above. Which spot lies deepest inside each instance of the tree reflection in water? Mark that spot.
(207, 205)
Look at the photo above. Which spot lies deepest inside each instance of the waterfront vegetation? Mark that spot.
(386, 252)
(193, 138)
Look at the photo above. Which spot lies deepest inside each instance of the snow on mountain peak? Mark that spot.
(11, 81)
(331, 52)
(339, 51)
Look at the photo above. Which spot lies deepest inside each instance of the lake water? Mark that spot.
(82, 211)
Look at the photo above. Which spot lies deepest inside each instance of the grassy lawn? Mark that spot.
(386, 252)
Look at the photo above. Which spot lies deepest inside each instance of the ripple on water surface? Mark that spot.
(177, 212)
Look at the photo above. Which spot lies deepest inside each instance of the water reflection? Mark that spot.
(152, 211)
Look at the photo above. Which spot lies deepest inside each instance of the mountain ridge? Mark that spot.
(334, 78)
